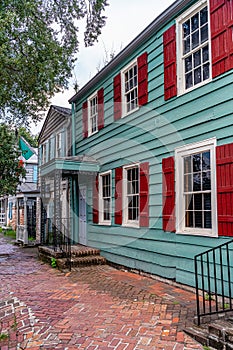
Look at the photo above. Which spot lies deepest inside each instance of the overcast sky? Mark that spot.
(125, 20)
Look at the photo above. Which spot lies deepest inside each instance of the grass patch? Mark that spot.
(10, 233)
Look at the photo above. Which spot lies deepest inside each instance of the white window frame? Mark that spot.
(90, 117)
(126, 221)
(179, 40)
(101, 199)
(58, 145)
(180, 153)
(44, 152)
(124, 101)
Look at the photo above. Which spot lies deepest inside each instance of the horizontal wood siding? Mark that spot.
(149, 135)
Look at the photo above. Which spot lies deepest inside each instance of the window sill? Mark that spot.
(185, 91)
(105, 223)
(91, 134)
(124, 115)
(200, 232)
(131, 225)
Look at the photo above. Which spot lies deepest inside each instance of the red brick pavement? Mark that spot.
(93, 308)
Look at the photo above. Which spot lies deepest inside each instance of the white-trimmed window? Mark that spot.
(105, 193)
(196, 210)
(193, 47)
(93, 114)
(44, 153)
(58, 145)
(131, 185)
(130, 88)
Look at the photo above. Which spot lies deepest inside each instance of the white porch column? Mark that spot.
(25, 222)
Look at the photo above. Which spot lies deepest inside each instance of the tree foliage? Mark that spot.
(31, 139)
(11, 170)
(38, 46)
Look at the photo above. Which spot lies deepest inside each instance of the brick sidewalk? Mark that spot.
(93, 308)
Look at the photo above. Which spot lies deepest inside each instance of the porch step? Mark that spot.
(81, 261)
(80, 256)
(215, 335)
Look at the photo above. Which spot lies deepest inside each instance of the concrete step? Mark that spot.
(215, 335)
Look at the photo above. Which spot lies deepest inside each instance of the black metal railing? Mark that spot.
(214, 288)
(59, 237)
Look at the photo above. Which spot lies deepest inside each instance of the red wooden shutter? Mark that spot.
(142, 79)
(224, 161)
(221, 24)
(100, 96)
(95, 195)
(144, 195)
(168, 166)
(118, 196)
(169, 52)
(117, 97)
(85, 120)
(230, 34)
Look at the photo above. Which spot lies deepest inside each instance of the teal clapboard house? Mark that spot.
(157, 122)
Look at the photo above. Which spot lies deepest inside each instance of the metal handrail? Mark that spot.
(214, 288)
(59, 238)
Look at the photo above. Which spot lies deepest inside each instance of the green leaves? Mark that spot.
(11, 170)
(38, 47)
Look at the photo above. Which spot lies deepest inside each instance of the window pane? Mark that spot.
(189, 219)
(196, 162)
(188, 183)
(186, 28)
(203, 16)
(198, 201)
(196, 182)
(197, 58)
(188, 64)
(206, 161)
(187, 165)
(206, 181)
(188, 80)
(205, 53)
(189, 202)
(207, 219)
(206, 71)
(187, 45)
(207, 201)
(129, 175)
(195, 39)
(133, 208)
(197, 76)
(198, 219)
(204, 33)
(107, 209)
(195, 22)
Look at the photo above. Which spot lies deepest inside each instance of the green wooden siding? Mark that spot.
(150, 134)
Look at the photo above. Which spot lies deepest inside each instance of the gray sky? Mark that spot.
(125, 20)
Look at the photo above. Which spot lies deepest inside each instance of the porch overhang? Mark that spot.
(70, 165)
